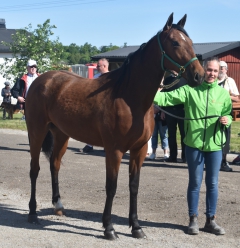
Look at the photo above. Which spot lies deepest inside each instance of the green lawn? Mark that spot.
(19, 124)
(16, 123)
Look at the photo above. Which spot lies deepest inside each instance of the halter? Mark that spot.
(181, 68)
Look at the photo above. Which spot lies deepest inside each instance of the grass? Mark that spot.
(17, 123)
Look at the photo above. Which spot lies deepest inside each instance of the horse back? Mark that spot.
(85, 109)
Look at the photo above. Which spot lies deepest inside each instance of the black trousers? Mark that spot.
(172, 124)
(226, 148)
(4, 113)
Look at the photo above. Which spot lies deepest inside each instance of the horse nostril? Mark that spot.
(196, 77)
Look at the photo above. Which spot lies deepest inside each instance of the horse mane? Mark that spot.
(118, 88)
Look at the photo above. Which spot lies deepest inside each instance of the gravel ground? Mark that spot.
(162, 206)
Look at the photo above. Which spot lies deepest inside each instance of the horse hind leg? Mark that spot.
(37, 138)
(59, 149)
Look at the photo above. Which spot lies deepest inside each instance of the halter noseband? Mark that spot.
(181, 68)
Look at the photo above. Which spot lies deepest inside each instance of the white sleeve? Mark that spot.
(233, 87)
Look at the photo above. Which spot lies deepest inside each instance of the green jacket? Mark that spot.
(203, 100)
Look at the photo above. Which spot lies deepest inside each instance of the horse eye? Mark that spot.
(175, 43)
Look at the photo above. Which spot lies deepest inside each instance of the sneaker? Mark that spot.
(236, 160)
(166, 155)
(171, 160)
(152, 156)
(87, 149)
(212, 227)
(225, 167)
(193, 228)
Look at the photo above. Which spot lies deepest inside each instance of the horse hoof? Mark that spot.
(110, 235)
(33, 219)
(59, 212)
(138, 234)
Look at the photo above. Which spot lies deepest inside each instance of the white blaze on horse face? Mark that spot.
(182, 37)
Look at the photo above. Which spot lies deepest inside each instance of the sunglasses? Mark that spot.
(33, 66)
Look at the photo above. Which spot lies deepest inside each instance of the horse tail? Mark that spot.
(47, 146)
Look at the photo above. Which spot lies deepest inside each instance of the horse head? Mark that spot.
(177, 52)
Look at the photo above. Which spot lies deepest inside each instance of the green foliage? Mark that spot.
(32, 44)
(74, 54)
(104, 49)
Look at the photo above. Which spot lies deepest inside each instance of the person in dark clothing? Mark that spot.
(6, 94)
(20, 89)
(173, 122)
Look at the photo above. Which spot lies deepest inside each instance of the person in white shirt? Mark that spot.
(228, 84)
(21, 87)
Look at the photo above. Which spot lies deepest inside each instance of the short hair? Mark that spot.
(223, 64)
(104, 60)
(205, 63)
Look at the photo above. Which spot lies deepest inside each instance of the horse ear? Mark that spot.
(169, 22)
(181, 23)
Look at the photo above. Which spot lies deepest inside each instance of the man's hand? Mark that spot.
(21, 99)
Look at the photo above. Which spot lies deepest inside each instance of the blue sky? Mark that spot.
(101, 22)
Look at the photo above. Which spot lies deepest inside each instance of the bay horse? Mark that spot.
(113, 111)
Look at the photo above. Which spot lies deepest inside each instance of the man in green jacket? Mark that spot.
(203, 142)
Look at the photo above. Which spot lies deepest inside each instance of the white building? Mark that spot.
(6, 36)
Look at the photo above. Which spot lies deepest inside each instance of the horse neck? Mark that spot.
(143, 77)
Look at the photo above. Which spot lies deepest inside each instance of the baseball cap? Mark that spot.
(223, 63)
(31, 62)
(7, 83)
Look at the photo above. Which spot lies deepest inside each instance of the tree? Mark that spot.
(35, 44)
(86, 51)
(111, 47)
(71, 54)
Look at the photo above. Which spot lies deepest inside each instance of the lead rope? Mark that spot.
(222, 127)
(170, 85)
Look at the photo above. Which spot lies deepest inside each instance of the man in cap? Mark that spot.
(229, 84)
(6, 94)
(21, 87)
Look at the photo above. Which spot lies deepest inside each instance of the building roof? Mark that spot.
(206, 50)
(202, 50)
(6, 35)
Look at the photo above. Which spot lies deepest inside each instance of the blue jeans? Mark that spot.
(196, 160)
(162, 130)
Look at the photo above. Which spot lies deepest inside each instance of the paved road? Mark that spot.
(162, 204)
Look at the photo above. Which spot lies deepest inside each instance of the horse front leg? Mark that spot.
(136, 160)
(112, 169)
